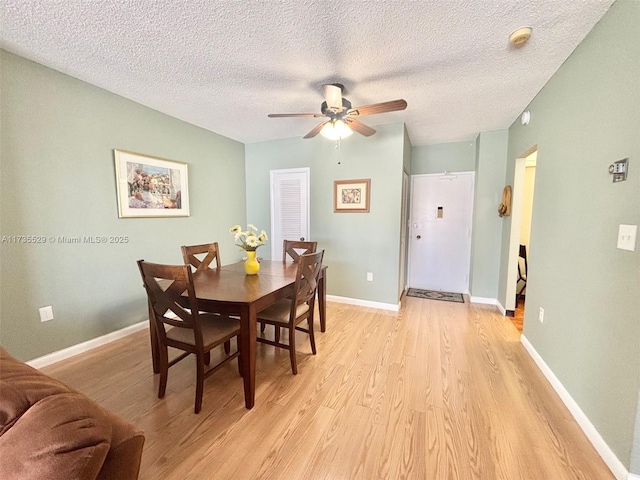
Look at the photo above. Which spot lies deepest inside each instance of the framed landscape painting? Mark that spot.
(351, 196)
(150, 186)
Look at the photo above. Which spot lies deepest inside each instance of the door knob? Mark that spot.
(418, 237)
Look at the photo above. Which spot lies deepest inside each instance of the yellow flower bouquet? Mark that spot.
(249, 239)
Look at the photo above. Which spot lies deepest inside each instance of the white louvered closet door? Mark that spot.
(289, 207)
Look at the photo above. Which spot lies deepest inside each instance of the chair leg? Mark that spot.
(207, 358)
(312, 338)
(227, 347)
(292, 349)
(199, 382)
(164, 370)
(277, 336)
(262, 326)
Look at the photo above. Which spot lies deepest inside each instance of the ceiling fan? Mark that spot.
(342, 116)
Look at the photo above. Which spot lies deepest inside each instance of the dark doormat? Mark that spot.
(434, 295)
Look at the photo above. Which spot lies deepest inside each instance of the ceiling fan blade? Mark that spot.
(383, 107)
(333, 96)
(280, 115)
(359, 127)
(316, 130)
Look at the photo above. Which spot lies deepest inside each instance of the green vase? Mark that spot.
(251, 265)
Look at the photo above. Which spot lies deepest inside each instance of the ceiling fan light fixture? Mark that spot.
(336, 130)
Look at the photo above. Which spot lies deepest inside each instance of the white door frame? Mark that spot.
(404, 221)
(514, 236)
(272, 173)
(517, 199)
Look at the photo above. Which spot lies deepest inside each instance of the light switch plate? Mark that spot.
(627, 237)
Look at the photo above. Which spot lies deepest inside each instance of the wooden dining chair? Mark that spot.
(522, 272)
(184, 328)
(295, 248)
(208, 251)
(290, 312)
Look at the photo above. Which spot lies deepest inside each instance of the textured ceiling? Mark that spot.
(224, 65)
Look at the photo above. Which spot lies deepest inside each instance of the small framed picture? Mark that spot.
(351, 196)
(150, 186)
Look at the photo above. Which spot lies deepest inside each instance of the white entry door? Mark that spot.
(440, 243)
(289, 207)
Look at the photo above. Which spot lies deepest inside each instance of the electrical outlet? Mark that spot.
(369, 276)
(46, 313)
(541, 315)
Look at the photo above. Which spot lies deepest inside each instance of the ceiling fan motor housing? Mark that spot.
(346, 105)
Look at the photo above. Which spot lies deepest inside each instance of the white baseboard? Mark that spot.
(503, 310)
(610, 458)
(484, 300)
(86, 346)
(364, 303)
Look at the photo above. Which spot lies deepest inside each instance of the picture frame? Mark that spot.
(150, 186)
(351, 196)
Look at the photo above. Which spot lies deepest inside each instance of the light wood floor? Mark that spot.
(518, 315)
(438, 391)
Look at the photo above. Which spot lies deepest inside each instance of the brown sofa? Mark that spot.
(50, 431)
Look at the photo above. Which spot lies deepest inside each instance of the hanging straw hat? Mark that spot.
(504, 209)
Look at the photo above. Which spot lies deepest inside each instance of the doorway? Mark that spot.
(520, 234)
(525, 238)
(440, 240)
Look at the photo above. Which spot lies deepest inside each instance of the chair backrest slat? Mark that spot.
(210, 252)
(291, 247)
(522, 254)
(309, 266)
(165, 286)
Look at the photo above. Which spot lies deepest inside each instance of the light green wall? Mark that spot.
(407, 152)
(584, 119)
(354, 243)
(57, 178)
(452, 157)
(490, 167)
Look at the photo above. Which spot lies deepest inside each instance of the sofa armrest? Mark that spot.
(65, 432)
(124, 457)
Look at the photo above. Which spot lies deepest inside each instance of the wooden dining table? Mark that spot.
(228, 290)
